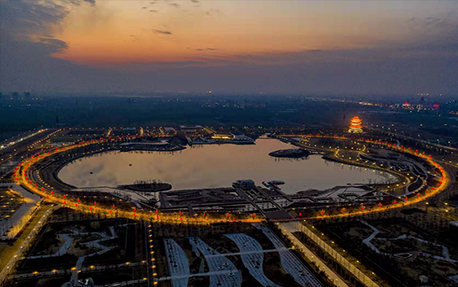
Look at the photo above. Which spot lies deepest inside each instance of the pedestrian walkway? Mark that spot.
(445, 253)
(62, 250)
(177, 262)
(93, 244)
(252, 257)
(291, 264)
(218, 263)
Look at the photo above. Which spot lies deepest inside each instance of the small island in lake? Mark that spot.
(290, 153)
(147, 186)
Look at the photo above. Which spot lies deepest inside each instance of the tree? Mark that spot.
(288, 280)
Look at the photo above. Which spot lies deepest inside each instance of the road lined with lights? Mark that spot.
(22, 174)
(26, 238)
(26, 175)
(444, 180)
(289, 228)
(11, 143)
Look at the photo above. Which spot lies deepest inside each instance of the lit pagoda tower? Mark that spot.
(356, 125)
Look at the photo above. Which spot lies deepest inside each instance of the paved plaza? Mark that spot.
(252, 256)
(177, 262)
(218, 263)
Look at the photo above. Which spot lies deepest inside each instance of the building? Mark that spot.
(244, 184)
(423, 279)
(191, 129)
(167, 131)
(356, 125)
(222, 136)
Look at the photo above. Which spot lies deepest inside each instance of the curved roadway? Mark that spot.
(23, 171)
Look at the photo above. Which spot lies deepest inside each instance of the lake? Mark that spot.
(209, 166)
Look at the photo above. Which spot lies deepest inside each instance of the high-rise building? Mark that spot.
(356, 125)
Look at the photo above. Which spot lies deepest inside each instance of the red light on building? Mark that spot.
(356, 125)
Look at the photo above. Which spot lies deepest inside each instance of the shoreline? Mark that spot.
(327, 157)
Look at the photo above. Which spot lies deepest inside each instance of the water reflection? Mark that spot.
(216, 166)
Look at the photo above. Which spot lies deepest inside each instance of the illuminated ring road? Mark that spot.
(23, 169)
(417, 197)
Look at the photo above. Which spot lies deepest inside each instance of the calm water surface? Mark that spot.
(216, 166)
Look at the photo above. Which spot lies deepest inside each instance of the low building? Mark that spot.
(244, 184)
(222, 136)
(191, 129)
(168, 131)
(423, 279)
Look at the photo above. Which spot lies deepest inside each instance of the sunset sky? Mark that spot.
(230, 46)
